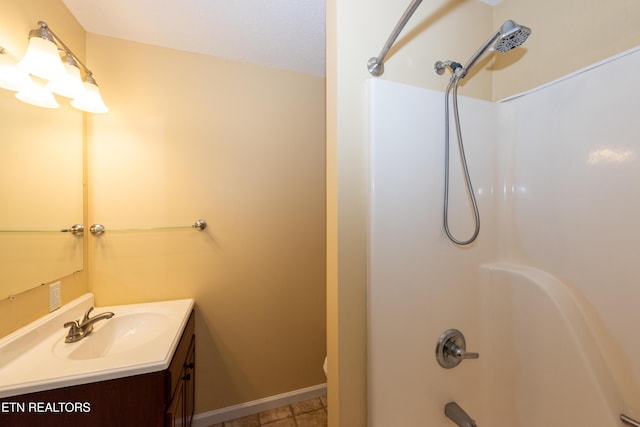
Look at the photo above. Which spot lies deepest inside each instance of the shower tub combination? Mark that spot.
(545, 294)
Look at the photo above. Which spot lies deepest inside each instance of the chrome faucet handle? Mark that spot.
(452, 349)
(75, 332)
(73, 324)
(85, 318)
(458, 352)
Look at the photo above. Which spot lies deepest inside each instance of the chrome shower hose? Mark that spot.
(453, 83)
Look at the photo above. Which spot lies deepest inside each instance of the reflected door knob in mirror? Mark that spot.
(76, 230)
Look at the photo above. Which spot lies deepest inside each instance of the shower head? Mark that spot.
(507, 37)
(511, 35)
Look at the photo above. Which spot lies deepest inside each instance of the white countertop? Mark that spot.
(36, 358)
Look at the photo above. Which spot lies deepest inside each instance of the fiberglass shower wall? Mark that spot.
(557, 179)
(572, 152)
(420, 284)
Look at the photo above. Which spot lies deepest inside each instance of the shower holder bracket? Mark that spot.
(440, 66)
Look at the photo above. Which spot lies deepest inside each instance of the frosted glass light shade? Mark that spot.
(42, 59)
(36, 94)
(90, 100)
(11, 76)
(68, 84)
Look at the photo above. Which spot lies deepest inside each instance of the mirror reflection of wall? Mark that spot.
(41, 189)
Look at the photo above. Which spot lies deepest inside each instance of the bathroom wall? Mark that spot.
(16, 20)
(579, 33)
(241, 146)
(567, 36)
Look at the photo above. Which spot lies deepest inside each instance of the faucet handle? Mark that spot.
(72, 324)
(458, 352)
(74, 331)
(86, 315)
(452, 349)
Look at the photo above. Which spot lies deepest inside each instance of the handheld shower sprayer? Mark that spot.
(507, 37)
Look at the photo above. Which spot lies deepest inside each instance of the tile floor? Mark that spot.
(309, 413)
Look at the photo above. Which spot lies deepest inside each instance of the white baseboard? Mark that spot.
(248, 408)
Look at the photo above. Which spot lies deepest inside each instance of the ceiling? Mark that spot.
(284, 34)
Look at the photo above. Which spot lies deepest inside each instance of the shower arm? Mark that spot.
(376, 64)
(479, 53)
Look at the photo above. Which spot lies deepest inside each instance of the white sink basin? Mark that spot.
(120, 334)
(138, 339)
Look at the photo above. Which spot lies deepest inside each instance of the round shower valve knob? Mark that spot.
(452, 349)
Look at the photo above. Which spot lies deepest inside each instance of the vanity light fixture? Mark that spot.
(49, 59)
(36, 94)
(42, 58)
(68, 84)
(12, 77)
(89, 99)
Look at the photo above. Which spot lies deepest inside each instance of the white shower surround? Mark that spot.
(556, 174)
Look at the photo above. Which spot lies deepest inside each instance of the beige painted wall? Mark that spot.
(16, 20)
(241, 146)
(567, 35)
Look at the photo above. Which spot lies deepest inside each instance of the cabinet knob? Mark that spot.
(187, 377)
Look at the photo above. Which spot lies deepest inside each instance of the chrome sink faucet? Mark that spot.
(79, 329)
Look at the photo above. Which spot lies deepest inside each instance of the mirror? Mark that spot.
(41, 189)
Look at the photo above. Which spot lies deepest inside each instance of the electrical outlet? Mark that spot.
(54, 296)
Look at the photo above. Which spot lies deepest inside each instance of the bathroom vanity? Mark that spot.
(140, 371)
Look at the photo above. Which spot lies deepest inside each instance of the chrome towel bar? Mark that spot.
(629, 421)
(98, 229)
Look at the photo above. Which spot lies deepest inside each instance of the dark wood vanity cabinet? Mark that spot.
(162, 399)
(182, 380)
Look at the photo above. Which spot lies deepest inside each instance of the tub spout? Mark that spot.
(455, 413)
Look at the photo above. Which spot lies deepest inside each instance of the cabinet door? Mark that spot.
(190, 384)
(175, 411)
